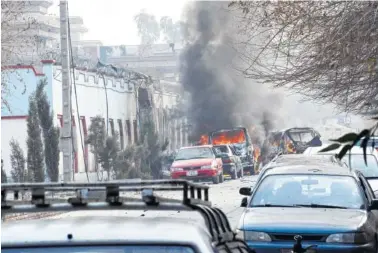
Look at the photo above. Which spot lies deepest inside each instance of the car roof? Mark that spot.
(299, 159)
(354, 150)
(302, 157)
(320, 169)
(104, 229)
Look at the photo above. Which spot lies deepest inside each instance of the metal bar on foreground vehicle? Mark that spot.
(195, 198)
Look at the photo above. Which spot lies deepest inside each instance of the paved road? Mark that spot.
(224, 196)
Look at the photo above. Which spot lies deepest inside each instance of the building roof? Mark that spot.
(105, 228)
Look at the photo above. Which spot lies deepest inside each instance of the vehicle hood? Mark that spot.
(192, 162)
(302, 220)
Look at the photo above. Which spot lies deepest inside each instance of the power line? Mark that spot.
(77, 104)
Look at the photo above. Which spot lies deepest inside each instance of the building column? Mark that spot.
(181, 129)
(186, 142)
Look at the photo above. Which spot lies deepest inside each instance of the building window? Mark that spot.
(135, 126)
(128, 131)
(121, 133)
(111, 122)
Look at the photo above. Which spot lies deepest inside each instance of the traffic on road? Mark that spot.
(299, 201)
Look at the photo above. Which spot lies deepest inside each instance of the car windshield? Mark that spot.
(357, 162)
(194, 153)
(301, 136)
(296, 190)
(103, 249)
(221, 149)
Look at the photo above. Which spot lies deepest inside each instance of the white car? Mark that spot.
(355, 160)
(160, 233)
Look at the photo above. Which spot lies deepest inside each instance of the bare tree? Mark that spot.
(172, 31)
(325, 50)
(17, 41)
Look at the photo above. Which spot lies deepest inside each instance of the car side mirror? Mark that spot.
(244, 202)
(374, 204)
(246, 191)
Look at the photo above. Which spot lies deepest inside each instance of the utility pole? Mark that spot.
(67, 146)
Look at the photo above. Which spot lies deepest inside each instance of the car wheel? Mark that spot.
(215, 179)
(234, 175)
(221, 178)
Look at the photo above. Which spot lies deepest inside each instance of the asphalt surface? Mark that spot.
(224, 196)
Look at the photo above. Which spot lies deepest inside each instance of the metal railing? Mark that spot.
(74, 196)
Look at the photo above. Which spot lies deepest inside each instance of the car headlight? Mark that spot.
(239, 234)
(355, 238)
(176, 169)
(256, 236)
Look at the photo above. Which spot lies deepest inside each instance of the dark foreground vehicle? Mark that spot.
(328, 207)
(115, 234)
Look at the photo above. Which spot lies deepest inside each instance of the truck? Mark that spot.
(239, 139)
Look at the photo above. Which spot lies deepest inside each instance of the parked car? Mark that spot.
(232, 165)
(293, 161)
(331, 208)
(198, 163)
(355, 160)
(372, 142)
(293, 140)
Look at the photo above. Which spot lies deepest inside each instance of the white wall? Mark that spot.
(91, 102)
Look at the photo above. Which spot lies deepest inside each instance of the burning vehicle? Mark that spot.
(240, 141)
(292, 141)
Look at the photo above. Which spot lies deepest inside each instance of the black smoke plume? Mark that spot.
(219, 97)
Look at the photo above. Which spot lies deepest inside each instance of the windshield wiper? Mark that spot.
(272, 205)
(322, 206)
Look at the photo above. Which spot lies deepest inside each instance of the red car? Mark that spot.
(198, 163)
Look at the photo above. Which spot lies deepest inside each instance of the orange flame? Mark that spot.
(290, 147)
(204, 139)
(230, 137)
(256, 153)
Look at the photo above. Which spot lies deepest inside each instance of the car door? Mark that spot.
(373, 214)
(231, 155)
(218, 152)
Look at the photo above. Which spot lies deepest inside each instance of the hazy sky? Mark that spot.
(112, 21)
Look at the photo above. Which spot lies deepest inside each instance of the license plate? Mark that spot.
(192, 173)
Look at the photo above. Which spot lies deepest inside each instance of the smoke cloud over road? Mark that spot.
(219, 96)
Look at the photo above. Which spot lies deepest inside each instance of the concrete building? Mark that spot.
(41, 39)
(124, 102)
(158, 60)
